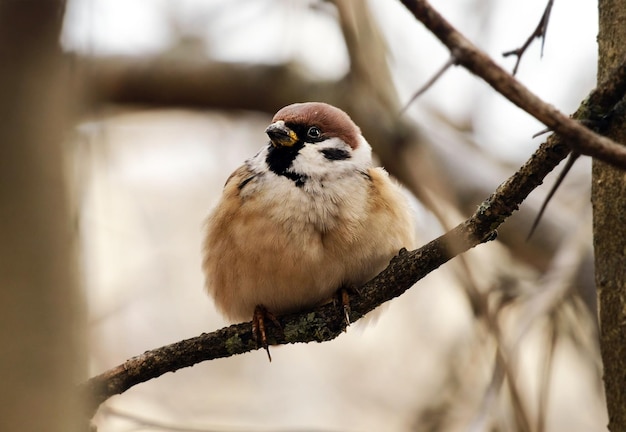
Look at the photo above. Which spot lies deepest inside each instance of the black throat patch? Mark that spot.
(280, 159)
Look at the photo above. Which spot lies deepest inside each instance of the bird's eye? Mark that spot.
(314, 132)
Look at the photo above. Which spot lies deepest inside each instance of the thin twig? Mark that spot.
(568, 165)
(451, 62)
(541, 132)
(539, 32)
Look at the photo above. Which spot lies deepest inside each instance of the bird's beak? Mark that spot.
(281, 135)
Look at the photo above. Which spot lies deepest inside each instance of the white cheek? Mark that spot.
(312, 162)
(362, 155)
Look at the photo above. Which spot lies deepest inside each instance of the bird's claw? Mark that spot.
(344, 298)
(345, 305)
(258, 327)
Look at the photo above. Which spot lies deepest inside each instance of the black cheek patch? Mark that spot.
(334, 154)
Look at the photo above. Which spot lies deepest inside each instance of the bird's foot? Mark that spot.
(343, 295)
(261, 314)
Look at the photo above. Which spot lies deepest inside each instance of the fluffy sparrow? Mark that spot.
(304, 217)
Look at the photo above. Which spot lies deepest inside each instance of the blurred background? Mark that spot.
(178, 94)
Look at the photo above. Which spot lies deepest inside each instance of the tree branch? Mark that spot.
(539, 32)
(578, 137)
(327, 322)
(160, 82)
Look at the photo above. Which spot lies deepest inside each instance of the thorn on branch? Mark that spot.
(573, 156)
(597, 126)
(539, 33)
(541, 132)
(452, 61)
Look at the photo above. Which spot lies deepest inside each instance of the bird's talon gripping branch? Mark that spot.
(343, 298)
(258, 327)
(345, 304)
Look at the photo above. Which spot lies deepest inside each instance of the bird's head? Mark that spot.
(314, 138)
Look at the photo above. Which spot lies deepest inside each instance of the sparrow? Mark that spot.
(305, 217)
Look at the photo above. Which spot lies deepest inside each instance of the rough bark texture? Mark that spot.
(38, 370)
(609, 217)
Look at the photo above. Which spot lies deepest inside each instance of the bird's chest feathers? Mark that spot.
(321, 204)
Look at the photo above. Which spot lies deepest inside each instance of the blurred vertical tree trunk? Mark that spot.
(609, 229)
(39, 364)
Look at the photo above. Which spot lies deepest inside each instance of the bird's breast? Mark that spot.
(319, 206)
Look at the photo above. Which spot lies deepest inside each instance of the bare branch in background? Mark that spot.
(539, 33)
(578, 137)
(568, 166)
(451, 62)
